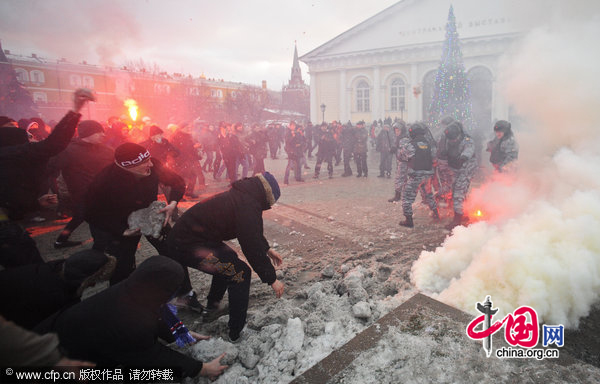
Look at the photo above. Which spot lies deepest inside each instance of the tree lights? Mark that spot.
(451, 93)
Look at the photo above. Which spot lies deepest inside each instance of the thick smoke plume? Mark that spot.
(103, 32)
(539, 244)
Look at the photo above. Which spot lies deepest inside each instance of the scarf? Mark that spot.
(168, 313)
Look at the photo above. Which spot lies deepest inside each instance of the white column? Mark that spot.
(376, 110)
(499, 103)
(343, 107)
(314, 103)
(414, 104)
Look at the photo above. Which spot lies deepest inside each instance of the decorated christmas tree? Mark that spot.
(451, 93)
(15, 100)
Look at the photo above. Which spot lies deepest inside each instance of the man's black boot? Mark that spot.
(396, 197)
(408, 222)
(456, 221)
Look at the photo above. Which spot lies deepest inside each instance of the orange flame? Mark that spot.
(476, 215)
(132, 107)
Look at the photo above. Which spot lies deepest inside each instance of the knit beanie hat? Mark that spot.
(88, 128)
(130, 154)
(12, 136)
(271, 187)
(168, 312)
(155, 130)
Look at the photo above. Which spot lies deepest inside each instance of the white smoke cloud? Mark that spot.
(541, 243)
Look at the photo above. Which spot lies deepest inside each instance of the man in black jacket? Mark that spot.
(198, 241)
(159, 146)
(127, 185)
(294, 146)
(31, 293)
(327, 143)
(348, 144)
(121, 325)
(79, 163)
(22, 165)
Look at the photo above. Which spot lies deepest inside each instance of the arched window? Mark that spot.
(40, 97)
(75, 80)
(22, 75)
(88, 82)
(397, 95)
(362, 97)
(37, 77)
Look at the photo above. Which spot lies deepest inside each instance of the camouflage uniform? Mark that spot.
(462, 161)
(504, 152)
(417, 175)
(445, 173)
(402, 166)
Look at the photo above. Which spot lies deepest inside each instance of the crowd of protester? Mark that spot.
(111, 169)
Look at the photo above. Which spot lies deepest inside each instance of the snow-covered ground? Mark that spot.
(347, 263)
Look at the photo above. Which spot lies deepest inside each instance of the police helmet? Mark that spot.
(502, 126)
(416, 129)
(454, 131)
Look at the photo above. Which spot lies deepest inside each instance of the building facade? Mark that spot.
(386, 66)
(166, 98)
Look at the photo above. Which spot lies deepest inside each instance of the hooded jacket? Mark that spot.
(236, 213)
(121, 325)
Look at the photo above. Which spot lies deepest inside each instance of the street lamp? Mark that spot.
(323, 106)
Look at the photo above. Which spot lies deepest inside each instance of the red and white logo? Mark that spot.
(521, 330)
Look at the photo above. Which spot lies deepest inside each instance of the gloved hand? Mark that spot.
(462, 160)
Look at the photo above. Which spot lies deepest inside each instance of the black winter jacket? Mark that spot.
(115, 193)
(121, 325)
(80, 162)
(23, 165)
(236, 213)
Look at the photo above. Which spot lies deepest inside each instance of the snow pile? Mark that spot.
(434, 350)
(287, 338)
(148, 220)
(540, 245)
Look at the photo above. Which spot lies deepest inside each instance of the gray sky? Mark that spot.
(236, 40)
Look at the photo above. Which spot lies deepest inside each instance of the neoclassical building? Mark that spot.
(386, 65)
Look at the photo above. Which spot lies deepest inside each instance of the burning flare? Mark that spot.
(132, 107)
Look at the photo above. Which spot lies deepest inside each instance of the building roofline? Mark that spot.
(357, 28)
